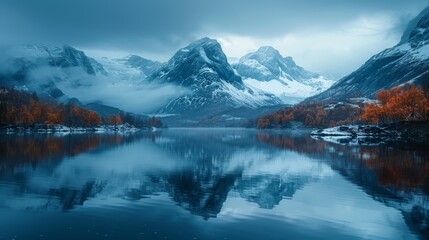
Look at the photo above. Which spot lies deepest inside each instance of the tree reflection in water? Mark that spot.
(396, 174)
(202, 167)
(20, 149)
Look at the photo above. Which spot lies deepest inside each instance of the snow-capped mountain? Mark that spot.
(267, 70)
(408, 61)
(203, 59)
(214, 86)
(66, 74)
(38, 68)
(26, 56)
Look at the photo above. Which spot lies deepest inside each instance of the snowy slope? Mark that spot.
(64, 57)
(406, 62)
(268, 71)
(39, 68)
(66, 74)
(197, 80)
(214, 86)
(289, 91)
(122, 70)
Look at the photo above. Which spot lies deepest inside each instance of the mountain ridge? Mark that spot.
(267, 70)
(406, 62)
(203, 68)
(214, 86)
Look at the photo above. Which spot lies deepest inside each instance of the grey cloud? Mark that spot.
(145, 97)
(171, 22)
(142, 98)
(158, 28)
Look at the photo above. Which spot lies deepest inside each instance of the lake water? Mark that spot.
(210, 184)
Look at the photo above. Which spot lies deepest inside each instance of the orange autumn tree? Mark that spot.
(17, 107)
(312, 115)
(115, 120)
(93, 119)
(406, 103)
(53, 115)
(80, 117)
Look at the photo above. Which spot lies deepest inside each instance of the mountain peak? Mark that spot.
(137, 61)
(214, 86)
(64, 56)
(70, 48)
(417, 31)
(202, 60)
(267, 70)
(289, 60)
(406, 62)
(268, 50)
(135, 57)
(204, 41)
(267, 64)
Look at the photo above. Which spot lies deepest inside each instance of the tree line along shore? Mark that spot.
(25, 112)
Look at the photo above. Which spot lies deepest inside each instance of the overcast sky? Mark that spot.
(335, 36)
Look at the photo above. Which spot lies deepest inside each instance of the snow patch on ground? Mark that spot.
(363, 100)
(253, 99)
(204, 55)
(336, 131)
(61, 129)
(287, 90)
(356, 135)
(252, 63)
(352, 130)
(422, 53)
(207, 69)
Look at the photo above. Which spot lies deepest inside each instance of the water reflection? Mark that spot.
(17, 150)
(227, 174)
(397, 166)
(395, 174)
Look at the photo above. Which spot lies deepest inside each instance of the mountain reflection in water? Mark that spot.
(210, 172)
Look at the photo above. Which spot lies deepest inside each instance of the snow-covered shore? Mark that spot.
(413, 132)
(357, 131)
(56, 128)
(357, 134)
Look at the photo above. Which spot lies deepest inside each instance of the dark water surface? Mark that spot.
(210, 184)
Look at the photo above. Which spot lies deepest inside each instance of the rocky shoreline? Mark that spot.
(414, 132)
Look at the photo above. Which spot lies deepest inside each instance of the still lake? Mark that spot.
(210, 184)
